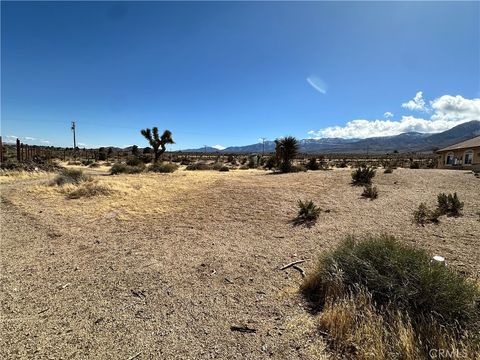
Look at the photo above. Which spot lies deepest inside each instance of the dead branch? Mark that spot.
(135, 356)
(243, 329)
(291, 264)
(299, 269)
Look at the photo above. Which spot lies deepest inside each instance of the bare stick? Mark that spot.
(299, 269)
(291, 264)
(135, 356)
(243, 329)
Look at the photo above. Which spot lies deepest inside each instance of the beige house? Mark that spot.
(464, 155)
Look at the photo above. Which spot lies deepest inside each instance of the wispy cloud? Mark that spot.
(387, 115)
(448, 111)
(318, 84)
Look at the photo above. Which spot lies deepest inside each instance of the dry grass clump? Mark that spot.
(88, 190)
(71, 176)
(382, 299)
(7, 176)
(370, 192)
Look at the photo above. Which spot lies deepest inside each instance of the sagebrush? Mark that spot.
(439, 304)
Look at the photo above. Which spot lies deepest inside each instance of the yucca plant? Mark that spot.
(363, 176)
(285, 150)
(308, 211)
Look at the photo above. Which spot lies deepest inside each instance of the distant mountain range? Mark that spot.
(406, 142)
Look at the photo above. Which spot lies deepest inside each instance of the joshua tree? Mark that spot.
(156, 142)
(135, 150)
(286, 148)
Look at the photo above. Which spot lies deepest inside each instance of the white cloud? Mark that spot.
(387, 115)
(449, 111)
(29, 138)
(455, 108)
(45, 141)
(417, 103)
(318, 84)
(218, 147)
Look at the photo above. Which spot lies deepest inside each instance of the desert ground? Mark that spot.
(165, 264)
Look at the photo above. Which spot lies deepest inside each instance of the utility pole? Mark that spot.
(263, 145)
(74, 140)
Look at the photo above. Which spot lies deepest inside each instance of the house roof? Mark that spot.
(470, 143)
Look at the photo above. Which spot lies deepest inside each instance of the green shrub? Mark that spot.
(370, 192)
(398, 276)
(163, 167)
(307, 211)
(449, 204)
(271, 162)
(363, 176)
(185, 161)
(119, 168)
(312, 164)
(134, 161)
(71, 176)
(423, 215)
(198, 166)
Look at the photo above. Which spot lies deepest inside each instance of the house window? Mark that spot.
(450, 159)
(468, 157)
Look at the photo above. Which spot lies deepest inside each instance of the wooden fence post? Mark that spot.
(18, 150)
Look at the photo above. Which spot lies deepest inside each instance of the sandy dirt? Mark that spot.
(166, 264)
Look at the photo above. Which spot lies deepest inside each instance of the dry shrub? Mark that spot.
(119, 168)
(88, 190)
(71, 176)
(370, 192)
(423, 215)
(163, 167)
(380, 299)
(449, 204)
(198, 166)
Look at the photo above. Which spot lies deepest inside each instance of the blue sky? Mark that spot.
(228, 73)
